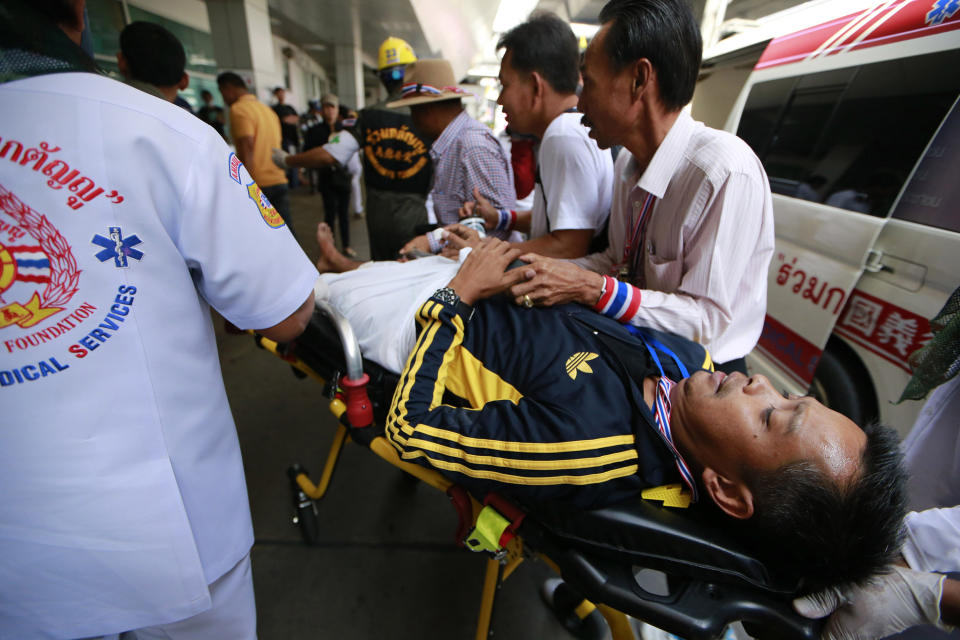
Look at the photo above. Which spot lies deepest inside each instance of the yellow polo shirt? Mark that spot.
(250, 117)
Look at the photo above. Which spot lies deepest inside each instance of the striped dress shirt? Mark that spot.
(707, 244)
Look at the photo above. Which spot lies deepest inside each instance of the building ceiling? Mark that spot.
(458, 31)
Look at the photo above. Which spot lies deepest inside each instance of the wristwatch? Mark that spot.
(449, 297)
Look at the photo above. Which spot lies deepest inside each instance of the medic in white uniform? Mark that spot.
(122, 220)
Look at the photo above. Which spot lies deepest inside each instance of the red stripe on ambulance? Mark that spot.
(885, 24)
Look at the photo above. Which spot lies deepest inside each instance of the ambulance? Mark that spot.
(857, 123)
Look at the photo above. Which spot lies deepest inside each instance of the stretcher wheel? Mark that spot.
(564, 602)
(305, 516)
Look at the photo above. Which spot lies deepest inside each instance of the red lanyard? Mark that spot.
(633, 250)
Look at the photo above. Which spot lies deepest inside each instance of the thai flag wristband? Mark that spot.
(507, 219)
(436, 240)
(618, 300)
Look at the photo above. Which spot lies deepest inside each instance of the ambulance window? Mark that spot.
(932, 196)
(850, 137)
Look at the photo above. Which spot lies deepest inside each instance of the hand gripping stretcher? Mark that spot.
(712, 579)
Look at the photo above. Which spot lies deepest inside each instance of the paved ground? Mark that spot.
(386, 565)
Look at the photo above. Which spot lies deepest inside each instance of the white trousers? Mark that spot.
(233, 615)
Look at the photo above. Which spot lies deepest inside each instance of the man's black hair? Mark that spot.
(547, 45)
(154, 55)
(662, 31)
(58, 11)
(231, 79)
(809, 526)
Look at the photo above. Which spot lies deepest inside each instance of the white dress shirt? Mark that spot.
(932, 455)
(708, 243)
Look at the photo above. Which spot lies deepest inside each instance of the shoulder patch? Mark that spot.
(234, 167)
(267, 211)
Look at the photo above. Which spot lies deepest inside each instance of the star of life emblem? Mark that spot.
(117, 247)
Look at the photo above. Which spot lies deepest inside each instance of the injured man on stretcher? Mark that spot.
(564, 404)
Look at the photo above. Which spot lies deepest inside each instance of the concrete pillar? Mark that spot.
(349, 75)
(243, 42)
(348, 58)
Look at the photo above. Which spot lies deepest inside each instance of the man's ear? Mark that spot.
(732, 496)
(122, 65)
(642, 75)
(538, 81)
(184, 81)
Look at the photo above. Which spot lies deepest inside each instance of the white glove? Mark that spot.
(279, 158)
(888, 604)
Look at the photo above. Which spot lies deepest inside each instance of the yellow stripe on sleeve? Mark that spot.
(523, 447)
(554, 464)
(592, 478)
(414, 362)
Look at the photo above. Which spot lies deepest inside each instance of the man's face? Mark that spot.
(329, 113)
(424, 120)
(228, 93)
(605, 99)
(280, 95)
(516, 95)
(736, 423)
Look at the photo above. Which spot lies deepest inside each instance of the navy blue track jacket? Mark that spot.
(556, 403)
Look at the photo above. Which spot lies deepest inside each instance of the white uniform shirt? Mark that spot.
(709, 240)
(932, 454)
(120, 221)
(576, 179)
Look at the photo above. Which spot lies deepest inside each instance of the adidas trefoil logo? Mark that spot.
(578, 363)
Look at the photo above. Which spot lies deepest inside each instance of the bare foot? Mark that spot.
(331, 260)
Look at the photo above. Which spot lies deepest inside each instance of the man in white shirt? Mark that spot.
(691, 228)
(125, 506)
(574, 180)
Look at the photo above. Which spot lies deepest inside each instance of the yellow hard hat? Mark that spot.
(394, 51)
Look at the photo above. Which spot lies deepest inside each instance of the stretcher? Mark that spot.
(606, 557)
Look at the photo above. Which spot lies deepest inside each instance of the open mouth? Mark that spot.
(718, 378)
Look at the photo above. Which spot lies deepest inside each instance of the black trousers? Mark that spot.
(336, 206)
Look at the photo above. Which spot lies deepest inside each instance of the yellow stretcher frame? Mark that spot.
(498, 568)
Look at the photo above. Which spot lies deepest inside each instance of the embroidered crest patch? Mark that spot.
(270, 215)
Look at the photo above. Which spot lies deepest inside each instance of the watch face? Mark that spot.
(447, 295)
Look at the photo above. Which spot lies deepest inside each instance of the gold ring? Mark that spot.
(527, 302)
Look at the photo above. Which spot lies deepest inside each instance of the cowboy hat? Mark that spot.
(428, 81)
